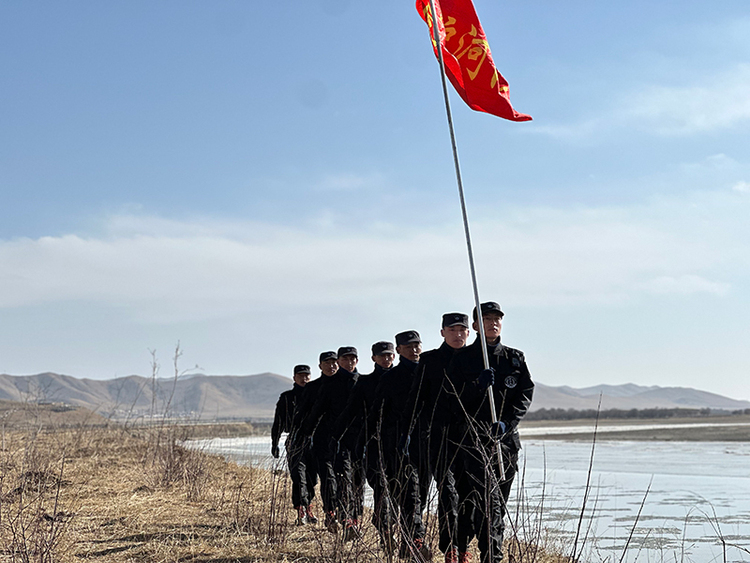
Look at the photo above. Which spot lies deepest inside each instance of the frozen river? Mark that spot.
(695, 494)
(698, 496)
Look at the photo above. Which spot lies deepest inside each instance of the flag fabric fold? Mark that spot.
(467, 58)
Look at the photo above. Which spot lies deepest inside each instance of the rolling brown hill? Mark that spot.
(218, 397)
(196, 396)
(630, 396)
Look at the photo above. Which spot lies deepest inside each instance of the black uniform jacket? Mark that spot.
(352, 426)
(428, 398)
(330, 400)
(389, 413)
(512, 391)
(304, 408)
(284, 416)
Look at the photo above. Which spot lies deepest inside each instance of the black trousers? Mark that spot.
(443, 469)
(382, 509)
(420, 458)
(483, 494)
(350, 484)
(304, 474)
(402, 488)
(325, 462)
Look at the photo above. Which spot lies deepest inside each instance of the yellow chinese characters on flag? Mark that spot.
(467, 57)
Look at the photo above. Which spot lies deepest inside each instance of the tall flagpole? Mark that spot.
(485, 355)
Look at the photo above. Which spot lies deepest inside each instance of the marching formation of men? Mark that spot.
(428, 417)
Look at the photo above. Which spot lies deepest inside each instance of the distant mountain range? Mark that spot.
(255, 396)
(630, 396)
(197, 396)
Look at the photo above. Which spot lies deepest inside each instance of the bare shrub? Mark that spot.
(166, 460)
(169, 463)
(260, 507)
(33, 524)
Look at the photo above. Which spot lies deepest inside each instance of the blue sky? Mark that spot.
(264, 181)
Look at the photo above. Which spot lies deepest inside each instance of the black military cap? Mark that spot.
(302, 368)
(331, 355)
(347, 351)
(489, 307)
(453, 319)
(407, 337)
(383, 347)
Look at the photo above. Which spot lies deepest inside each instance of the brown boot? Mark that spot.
(300, 515)
(311, 519)
(451, 555)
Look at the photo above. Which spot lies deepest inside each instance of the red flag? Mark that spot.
(467, 57)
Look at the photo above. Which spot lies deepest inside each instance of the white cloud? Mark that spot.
(742, 187)
(573, 131)
(167, 271)
(717, 102)
(248, 297)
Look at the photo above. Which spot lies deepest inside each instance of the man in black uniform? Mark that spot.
(509, 381)
(349, 478)
(354, 431)
(315, 434)
(431, 450)
(301, 463)
(389, 418)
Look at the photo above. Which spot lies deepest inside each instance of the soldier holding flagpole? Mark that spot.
(464, 56)
(488, 447)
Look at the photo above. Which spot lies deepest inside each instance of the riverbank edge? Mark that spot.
(122, 494)
(735, 428)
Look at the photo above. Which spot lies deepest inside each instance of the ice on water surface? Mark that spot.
(699, 494)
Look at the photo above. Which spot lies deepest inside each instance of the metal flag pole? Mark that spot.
(485, 355)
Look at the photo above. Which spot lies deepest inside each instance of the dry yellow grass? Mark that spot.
(14, 414)
(116, 495)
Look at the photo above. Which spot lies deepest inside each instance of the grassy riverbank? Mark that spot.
(114, 494)
(74, 487)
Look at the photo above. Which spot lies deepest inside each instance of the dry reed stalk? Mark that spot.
(116, 510)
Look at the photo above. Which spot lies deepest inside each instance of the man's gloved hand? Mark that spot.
(403, 444)
(275, 451)
(486, 378)
(497, 430)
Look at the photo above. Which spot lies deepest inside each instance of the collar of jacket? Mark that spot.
(406, 361)
(346, 372)
(495, 349)
(446, 350)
